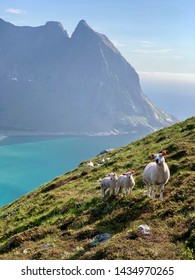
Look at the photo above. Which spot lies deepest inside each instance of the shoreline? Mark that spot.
(4, 134)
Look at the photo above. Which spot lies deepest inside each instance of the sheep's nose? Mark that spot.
(157, 161)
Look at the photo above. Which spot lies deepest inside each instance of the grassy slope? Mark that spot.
(59, 219)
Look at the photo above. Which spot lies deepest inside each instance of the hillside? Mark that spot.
(59, 219)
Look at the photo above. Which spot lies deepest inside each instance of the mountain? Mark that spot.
(51, 82)
(60, 219)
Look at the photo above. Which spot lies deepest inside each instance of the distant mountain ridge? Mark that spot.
(81, 84)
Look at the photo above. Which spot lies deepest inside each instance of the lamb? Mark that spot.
(156, 173)
(125, 181)
(108, 183)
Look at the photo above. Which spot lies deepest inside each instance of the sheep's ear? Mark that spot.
(124, 173)
(164, 152)
(152, 155)
(132, 171)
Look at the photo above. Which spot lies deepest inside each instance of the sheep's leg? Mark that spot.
(111, 191)
(103, 191)
(116, 189)
(153, 192)
(148, 190)
(125, 190)
(130, 190)
(161, 192)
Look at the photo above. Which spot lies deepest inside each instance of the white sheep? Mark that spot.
(156, 173)
(108, 183)
(90, 163)
(103, 160)
(125, 181)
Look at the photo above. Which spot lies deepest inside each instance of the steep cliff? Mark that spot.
(76, 85)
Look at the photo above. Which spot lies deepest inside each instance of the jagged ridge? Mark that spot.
(75, 85)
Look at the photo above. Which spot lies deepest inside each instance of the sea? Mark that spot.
(27, 162)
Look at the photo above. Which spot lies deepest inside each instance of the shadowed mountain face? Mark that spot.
(81, 84)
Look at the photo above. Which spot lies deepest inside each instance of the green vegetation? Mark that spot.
(60, 219)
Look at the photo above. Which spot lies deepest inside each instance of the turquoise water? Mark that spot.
(27, 162)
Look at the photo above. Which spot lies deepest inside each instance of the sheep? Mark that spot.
(156, 173)
(108, 183)
(125, 181)
(90, 163)
(103, 160)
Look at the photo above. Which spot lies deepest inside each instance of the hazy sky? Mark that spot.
(157, 37)
(154, 35)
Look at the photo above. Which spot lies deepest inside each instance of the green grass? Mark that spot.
(68, 212)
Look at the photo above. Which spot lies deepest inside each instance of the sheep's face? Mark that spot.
(113, 176)
(159, 158)
(129, 174)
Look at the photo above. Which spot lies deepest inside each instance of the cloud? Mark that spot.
(146, 43)
(152, 51)
(15, 11)
(176, 77)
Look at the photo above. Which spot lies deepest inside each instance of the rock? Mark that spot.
(144, 229)
(25, 251)
(46, 246)
(100, 238)
(106, 151)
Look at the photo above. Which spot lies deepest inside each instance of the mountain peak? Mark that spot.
(85, 76)
(84, 31)
(56, 26)
(82, 23)
(82, 28)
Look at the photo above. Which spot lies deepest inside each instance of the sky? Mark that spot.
(157, 37)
